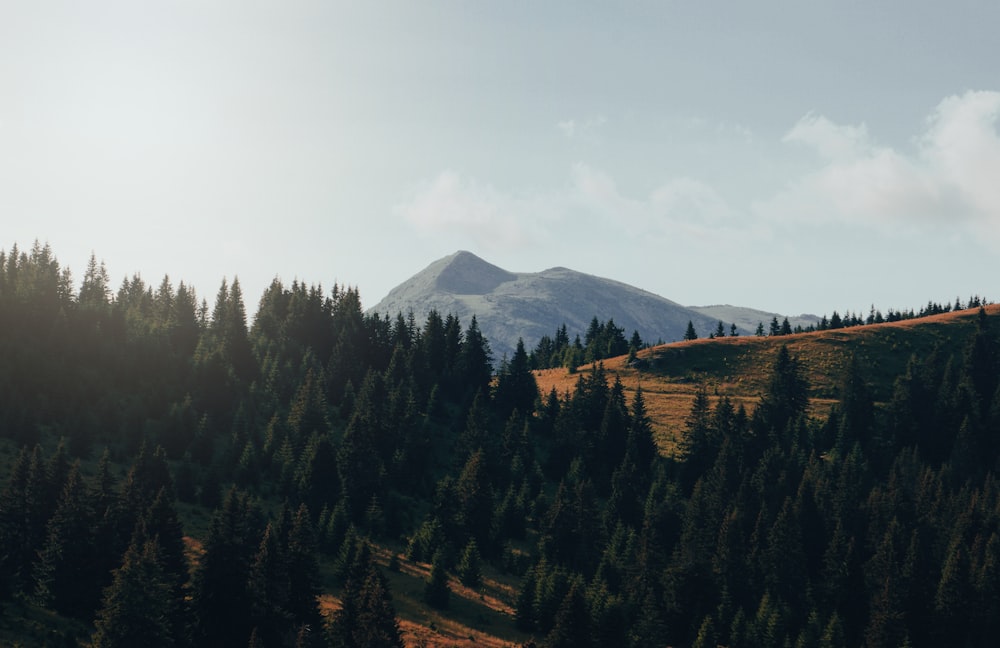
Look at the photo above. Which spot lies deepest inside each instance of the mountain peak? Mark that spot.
(463, 273)
(509, 305)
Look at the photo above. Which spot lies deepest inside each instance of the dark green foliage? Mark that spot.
(516, 388)
(65, 572)
(303, 570)
(469, 571)
(436, 590)
(22, 521)
(366, 617)
(571, 626)
(138, 605)
(602, 340)
(220, 594)
(474, 362)
(475, 500)
(269, 589)
(877, 525)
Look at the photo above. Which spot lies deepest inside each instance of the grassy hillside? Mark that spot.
(670, 374)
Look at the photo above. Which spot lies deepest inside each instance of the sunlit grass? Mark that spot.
(739, 367)
(483, 616)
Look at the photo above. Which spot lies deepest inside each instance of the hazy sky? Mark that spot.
(798, 156)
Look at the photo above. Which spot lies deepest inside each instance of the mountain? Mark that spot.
(749, 318)
(511, 305)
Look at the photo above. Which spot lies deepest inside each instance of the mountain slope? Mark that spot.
(738, 368)
(511, 305)
(749, 318)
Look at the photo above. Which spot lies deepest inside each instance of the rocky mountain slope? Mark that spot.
(511, 305)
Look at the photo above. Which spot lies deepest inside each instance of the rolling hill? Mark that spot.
(671, 374)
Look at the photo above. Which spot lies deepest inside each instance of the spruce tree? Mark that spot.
(65, 576)
(303, 570)
(268, 590)
(571, 626)
(516, 387)
(366, 617)
(469, 571)
(137, 605)
(436, 590)
(219, 594)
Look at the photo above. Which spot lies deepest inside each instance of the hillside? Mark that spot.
(670, 374)
(324, 476)
(510, 305)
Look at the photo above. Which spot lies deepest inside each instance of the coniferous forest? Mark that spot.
(314, 437)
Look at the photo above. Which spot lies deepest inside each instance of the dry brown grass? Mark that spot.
(740, 367)
(475, 617)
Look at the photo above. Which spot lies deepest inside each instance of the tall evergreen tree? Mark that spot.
(436, 590)
(475, 361)
(137, 606)
(516, 387)
(219, 596)
(64, 573)
(366, 618)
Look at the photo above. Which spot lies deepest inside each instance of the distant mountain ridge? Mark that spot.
(511, 305)
(749, 318)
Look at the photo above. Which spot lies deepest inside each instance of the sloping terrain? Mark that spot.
(738, 367)
(749, 318)
(511, 305)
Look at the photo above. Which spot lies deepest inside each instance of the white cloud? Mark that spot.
(586, 129)
(946, 184)
(679, 205)
(962, 147)
(951, 176)
(567, 127)
(832, 141)
(592, 199)
(465, 206)
(690, 200)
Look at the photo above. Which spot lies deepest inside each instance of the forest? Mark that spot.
(316, 436)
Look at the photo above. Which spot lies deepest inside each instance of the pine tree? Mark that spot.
(219, 594)
(268, 590)
(469, 565)
(303, 570)
(524, 609)
(436, 591)
(516, 387)
(149, 474)
(706, 634)
(366, 617)
(571, 626)
(23, 519)
(475, 362)
(65, 575)
(137, 606)
(475, 500)
(690, 333)
(786, 398)
(161, 522)
(701, 440)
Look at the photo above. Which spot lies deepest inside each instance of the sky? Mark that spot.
(794, 156)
